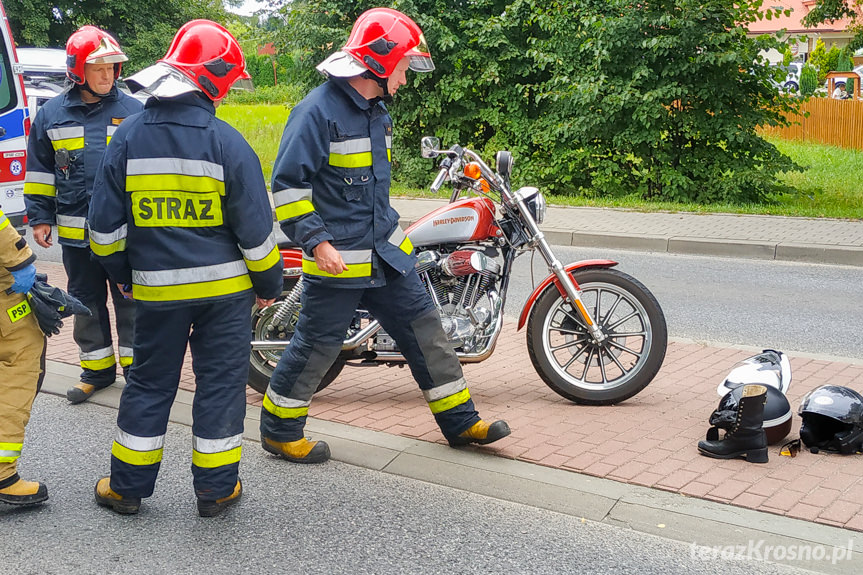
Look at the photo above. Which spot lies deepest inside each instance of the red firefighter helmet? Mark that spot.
(379, 40)
(209, 56)
(90, 45)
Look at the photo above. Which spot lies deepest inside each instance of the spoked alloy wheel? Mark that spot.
(263, 362)
(582, 370)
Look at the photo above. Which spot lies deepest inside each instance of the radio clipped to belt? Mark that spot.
(62, 159)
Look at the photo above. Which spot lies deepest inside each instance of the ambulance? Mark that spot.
(14, 129)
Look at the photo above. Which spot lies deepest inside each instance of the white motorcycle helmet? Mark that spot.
(769, 368)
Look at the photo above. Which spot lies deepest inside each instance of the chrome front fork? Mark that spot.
(554, 265)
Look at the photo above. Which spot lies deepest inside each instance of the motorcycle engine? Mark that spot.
(460, 282)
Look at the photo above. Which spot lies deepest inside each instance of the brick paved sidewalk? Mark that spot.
(649, 440)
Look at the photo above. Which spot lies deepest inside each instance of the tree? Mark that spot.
(143, 27)
(656, 97)
(832, 10)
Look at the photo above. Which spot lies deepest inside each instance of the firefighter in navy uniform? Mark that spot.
(180, 212)
(22, 363)
(69, 137)
(331, 183)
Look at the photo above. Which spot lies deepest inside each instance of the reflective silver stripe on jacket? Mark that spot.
(124, 351)
(34, 177)
(202, 445)
(351, 146)
(138, 443)
(110, 237)
(445, 390)
(389, 141)
(55, 134)
(397, 237)
(189, 275)
(261, 251)
(97, 354)
(182, 166)
(282, 401)
(291, 195)
(350, 257)
(71, 221)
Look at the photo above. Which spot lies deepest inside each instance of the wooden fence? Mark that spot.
(834, 122)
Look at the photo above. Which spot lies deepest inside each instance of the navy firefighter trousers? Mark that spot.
(406, 313)
(218, 334)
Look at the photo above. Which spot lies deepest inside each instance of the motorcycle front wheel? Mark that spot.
(263, 362)
(575, 366)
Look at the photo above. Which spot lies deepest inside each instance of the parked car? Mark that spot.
(791, 81)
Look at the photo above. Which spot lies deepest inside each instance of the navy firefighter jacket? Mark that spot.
(331, 182)
(180, 209)
(65, 147)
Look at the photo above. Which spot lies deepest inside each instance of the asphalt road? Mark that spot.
(332, 518)
(787, 306)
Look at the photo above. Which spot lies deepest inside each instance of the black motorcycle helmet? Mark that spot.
(832, 419)
(777, 412)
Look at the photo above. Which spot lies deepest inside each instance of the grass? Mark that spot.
(831, 186)
(262, 126)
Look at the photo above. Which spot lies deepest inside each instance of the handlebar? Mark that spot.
(439, 180)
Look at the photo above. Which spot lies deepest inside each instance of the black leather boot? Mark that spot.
(744, 436)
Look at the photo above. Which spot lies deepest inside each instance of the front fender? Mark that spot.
(572, 267)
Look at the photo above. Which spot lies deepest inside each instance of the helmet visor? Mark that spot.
(244, 84)
(420, 57)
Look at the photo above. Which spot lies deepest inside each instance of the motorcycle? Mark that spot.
(595, 335)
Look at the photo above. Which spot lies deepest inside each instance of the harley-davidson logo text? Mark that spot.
(444, 221)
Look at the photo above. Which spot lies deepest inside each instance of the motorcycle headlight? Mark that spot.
(535, 202)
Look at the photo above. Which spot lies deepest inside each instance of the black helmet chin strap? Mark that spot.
(86, 86)
(383, 83)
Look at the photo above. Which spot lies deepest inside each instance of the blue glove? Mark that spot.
(24, 279)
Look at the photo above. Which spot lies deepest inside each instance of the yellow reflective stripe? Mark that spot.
(4, 221)
(294, 209)
(264, 264)
(107, 140)
(174, 182)
(9, 459)
(97, 364)
(133, 457)
(284, 412)
(11, 446)
(361, 160)
(211, 460)
(192, 290)
(406, 246)
(354, 270)
(389, 155)
(37, 189)
(125, 361)
(70, 233)
(449, 402)
(107, 250)
(68, 143)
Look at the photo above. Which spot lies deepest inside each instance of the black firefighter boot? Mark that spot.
(744, 436)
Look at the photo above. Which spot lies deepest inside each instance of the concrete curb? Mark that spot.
(709, 527)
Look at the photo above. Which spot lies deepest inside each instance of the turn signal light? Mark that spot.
(472, 170)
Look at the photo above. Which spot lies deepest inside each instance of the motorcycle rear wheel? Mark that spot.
(263, 362)
(572, 364)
